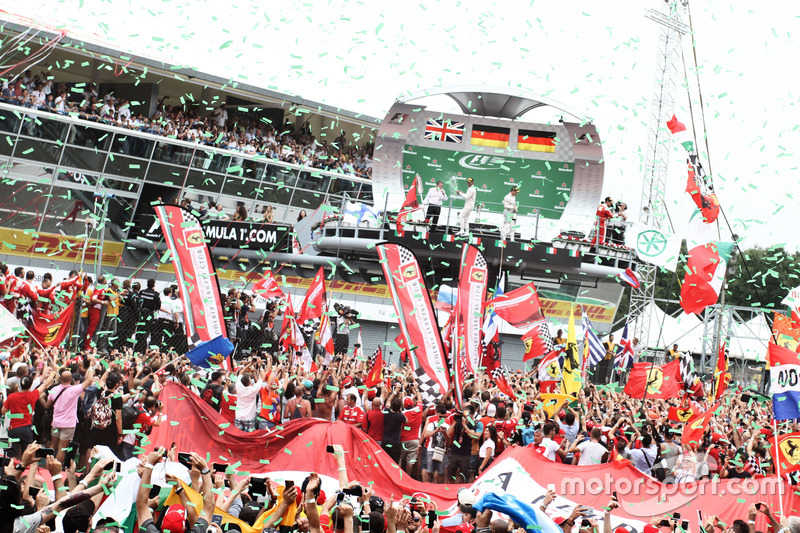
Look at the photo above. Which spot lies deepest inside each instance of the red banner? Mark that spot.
(292, 450)
(51, 330)
(469, 307)
(417, 319)
(197, 279)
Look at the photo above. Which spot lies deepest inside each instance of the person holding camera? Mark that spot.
(616, 225)
(462, 431)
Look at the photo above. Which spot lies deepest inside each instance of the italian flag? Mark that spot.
(681, 134)
(705, 267)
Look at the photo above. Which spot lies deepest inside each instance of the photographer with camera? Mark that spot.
(345, 318)
(616, 225)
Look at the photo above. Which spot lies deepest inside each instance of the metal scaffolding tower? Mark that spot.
(656, 159)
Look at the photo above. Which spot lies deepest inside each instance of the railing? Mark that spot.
(536, 224)
(52, 164)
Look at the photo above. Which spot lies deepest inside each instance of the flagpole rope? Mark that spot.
(710, 173)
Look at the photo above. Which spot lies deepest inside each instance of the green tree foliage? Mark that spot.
(773, 272)
(770, 274)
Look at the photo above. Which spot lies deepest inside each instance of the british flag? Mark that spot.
(624, 356)
(444, 130)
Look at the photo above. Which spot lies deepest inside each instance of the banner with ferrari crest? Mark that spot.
(202, 307)
(417, 320)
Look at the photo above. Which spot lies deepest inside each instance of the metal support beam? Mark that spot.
(656, 160)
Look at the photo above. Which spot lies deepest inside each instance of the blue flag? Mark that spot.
(521, 512)
(212, 353)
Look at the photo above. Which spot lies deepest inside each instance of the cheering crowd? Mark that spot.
(67, 408)
(293, 144)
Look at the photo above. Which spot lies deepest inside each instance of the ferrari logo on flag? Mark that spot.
(554, 370)
(685, 414)
(791, 449)
(478, 275)
(195, 238)
(655, 377)
(409, 272)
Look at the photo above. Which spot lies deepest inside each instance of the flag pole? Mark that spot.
(778, 464)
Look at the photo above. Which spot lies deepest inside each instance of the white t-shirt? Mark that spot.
(550, 447)
(247, 400)
(432, 426)
(487, 449)
(591, 453)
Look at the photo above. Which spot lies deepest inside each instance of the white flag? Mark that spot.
(792, 300)
(10, 327)
(654, 245)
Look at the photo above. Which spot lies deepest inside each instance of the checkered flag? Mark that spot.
(428, 388)
(547, 338)
(498, 374)
(691, 383)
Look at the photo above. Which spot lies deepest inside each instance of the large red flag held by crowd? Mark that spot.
(412, 302)
(52, 329)
(520, 307)
(696, 427)
(313, 305)
(268, 287)
(293, 449)
(786, 452)
(648, 380)
(202, 305)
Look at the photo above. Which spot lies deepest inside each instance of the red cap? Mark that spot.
(559, 520)
(650, 528)
(174, 519)
(371, 393)
(408, 402)
(347, 381)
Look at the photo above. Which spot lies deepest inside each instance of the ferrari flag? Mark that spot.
(313, 305)
(520, 307)
(655, 381)
(787, 452)
(202, 307)
(417, 320)
(696, 427)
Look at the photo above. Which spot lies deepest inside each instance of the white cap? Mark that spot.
(16, 366)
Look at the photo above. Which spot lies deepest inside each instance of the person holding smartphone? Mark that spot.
(144, 514)
(19, 407)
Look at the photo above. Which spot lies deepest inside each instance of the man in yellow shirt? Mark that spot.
(111, 321)
(674, 353)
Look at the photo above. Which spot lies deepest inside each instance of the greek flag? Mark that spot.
(595, 351)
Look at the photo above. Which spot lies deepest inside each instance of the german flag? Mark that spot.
(536, 141)
(490, 136)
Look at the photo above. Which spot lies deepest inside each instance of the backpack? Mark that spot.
(100, 414)
(129, 415)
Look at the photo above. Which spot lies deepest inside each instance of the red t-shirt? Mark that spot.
(352, 415)
(410, 429)
(374, 424)
(22, 403)
(227, 406)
